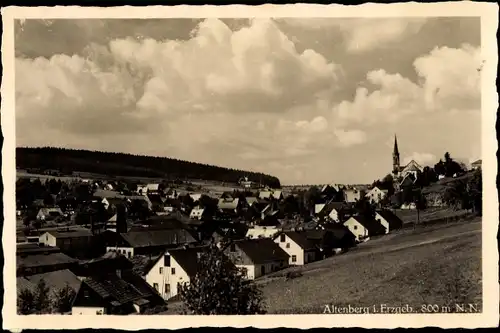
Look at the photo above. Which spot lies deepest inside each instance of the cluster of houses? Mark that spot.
(139, 264)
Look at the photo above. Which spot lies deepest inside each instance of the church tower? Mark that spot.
(395, 157)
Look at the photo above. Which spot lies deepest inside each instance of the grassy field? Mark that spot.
(435, 265)
(429, 214)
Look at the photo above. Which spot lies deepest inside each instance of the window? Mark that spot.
(282, 238)
(287, 245)
(98, 312)
(167, 288)
(355, 227)
(166, 261)
(161, 270)
(294, 258)
(155, 285)
(129, 254)
(173, 270)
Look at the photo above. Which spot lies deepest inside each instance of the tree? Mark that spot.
(220, 288)
(63, 299)
(290, 205)
(365, 208)
(475, 189)
(25, 302)
(41, 298)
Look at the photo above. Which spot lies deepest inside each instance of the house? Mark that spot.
(376, 195)
(69, 240)
(153, 188)
(171, 270)
(363, 228)
(171, 193)
(333, 211)
(150, 241)
(112, 202)
(476, 165)
(33, 259)
(55, 280)
(300, 249)
(331, 238)
(197, 213)
(408, 180)
(412, 168)
(271, 194)
(110, 286)
(142, 189)
(257, 257)
(46, 213)
(262, 231)
(352, 195)
(389, 220)
(196, 197)
(229, 206)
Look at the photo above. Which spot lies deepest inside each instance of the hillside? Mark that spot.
(440, 186)
(67, 161)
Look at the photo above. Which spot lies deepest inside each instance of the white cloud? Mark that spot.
(350, 137)
(421, 158)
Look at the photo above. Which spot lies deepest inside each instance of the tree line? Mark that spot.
(66, 161)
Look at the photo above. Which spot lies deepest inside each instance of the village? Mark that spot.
(126, 247)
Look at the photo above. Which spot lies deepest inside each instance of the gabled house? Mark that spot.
(34, 259)
(197, 213)
(363, 228)
(257, 257)
(376, 195)
(271, 194)
(150, 241)
(168, 272)
(331, 238)
(300, 249)
(113, 202)
(476, 165)
(333, 211)
(196, 197)
(229, 206)
(389, 220)
(49, 213)
(251, 201)
(353, 194)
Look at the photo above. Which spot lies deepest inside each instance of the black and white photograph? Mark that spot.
(269, 164)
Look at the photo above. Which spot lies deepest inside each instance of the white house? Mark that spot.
(142, 189)
(389, 220)
(300, 249)
(197, 213)
(257, 257)
(352, 195)
(166, 273)
(376, 194)
(476, 165)
(262, 232)
(47, 213)
(195, 196)
(363, 228)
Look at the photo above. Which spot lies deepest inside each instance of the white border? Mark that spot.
(489, 23)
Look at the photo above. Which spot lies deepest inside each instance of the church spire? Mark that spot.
(395, 157)
(396, 151)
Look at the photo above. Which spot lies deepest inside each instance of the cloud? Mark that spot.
(350, 137)
(449, 81)
(421, 158)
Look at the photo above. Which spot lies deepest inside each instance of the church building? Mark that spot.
(401, 172)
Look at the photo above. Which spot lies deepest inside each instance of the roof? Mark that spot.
(70, 233)
(228, 203)
(187, 258)
(115, 201)
(54, 280)
(47, 211)
(261, 250)
(142, 264)
(195, 196)
(28, 248)
(127, 288)
(301, 239)
(338, 230)
(153, 187)
(251, 200)
(276, 194)
(478, 162)
(161, 237)
(107, 194)
(391, 218)
(265, 194)
(41, 260)
(373, 226)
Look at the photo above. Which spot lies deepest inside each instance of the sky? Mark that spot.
(308, 100)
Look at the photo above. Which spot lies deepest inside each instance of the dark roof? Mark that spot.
(373, 226)
(477, 162)
(261, 250)
(116, 201)
(33, 248)
(120, 290)
(327, 209)
(54, 280)
(143, 264)
(301, 239)
(160, 237)
(40, 260)
(338, 230)
(187, 258)
(70, 233)
(394, 221)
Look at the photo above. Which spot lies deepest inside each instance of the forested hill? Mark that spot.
(67, 161)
